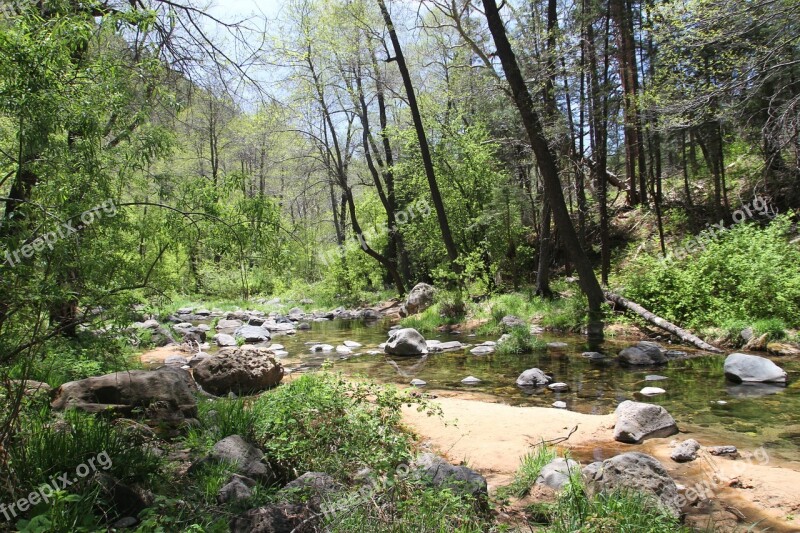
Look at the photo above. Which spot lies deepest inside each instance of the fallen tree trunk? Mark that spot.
(660, 322)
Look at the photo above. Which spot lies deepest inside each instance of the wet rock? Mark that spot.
(557, 346)
(352, 344)
(418, 383)
(740, 367)
(722, 450)
(482, 350)
(558, 387)
(654, 377)
(240, 370)
(304, 326)
(470, 380)
(783, 348)
(651, 391)
(448, 346)
(639, 421)
(322, 348)
(202, 312)
(369, 314)
(229, 324)
(252, 334)
(223, 340)
(418, 300)
(555, 474)
(533, 377)
(643, 353)
(634, 471)
(594, 356)
(184, 311)
(343, 349)
(686, 451)
(559, 405)
(406, 341)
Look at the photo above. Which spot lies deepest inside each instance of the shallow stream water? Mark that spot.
(697, 394)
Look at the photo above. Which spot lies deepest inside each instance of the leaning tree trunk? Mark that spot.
(548, 167)
(682, 334)
(424, 149)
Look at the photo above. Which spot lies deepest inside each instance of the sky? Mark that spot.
(229, 9)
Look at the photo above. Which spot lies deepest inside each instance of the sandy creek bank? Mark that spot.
(491, 437)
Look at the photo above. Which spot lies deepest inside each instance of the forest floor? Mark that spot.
(492, 437)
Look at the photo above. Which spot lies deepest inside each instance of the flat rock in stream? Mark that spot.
(741, 367)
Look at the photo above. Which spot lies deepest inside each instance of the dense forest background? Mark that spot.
(350, 149)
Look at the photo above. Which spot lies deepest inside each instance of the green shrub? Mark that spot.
(321, 422)
(747, 275)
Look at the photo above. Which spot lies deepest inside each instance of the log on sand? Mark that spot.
(684, 335)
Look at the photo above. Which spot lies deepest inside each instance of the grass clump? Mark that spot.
(520, 340)
(407, 506)
(620, 511)
(529, 469)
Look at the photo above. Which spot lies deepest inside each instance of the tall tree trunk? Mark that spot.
(425, 153)
(548, 168)
(628, 72)
(545, 252)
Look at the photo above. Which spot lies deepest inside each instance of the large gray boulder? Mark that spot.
(643, 353)
(168, 391)
(406, 341)
(637, 472)
(437, 472)
(419, 299)
(741, 367)
(240, 370)
(533, 377)
(639, 421)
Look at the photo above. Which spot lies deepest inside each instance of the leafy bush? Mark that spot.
(748, 274)
(321, 422)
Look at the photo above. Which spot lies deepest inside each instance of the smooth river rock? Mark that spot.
(406, 341)
(741, 367)
(639, 421)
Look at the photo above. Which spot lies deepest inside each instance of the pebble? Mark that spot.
(418, 382)
(558, 387)
(559, 405)
(654, 377)
(651, 391)
(469, 380)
